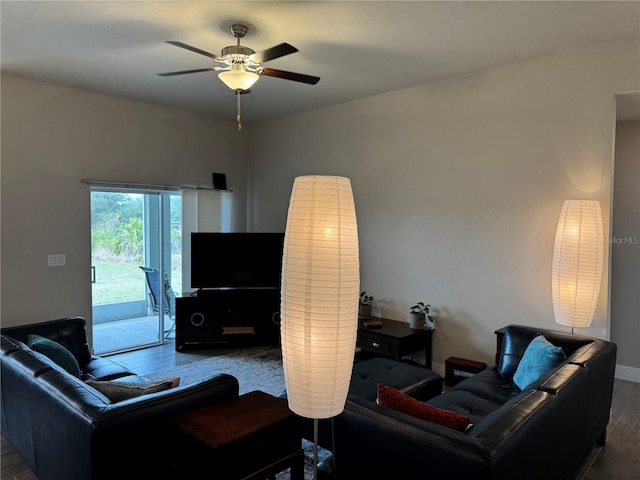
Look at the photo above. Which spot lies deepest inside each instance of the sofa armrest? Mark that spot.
(141, 428)
(165, 405)
(381, 443)
(92, 436)
(371, 439)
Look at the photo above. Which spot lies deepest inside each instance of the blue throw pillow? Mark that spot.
(539, 357)
(56, 352)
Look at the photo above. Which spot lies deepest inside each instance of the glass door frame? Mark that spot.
(156, 253)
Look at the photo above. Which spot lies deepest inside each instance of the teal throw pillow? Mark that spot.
(56, 352)
(539, 357)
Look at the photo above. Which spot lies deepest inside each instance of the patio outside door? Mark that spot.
(133, 228)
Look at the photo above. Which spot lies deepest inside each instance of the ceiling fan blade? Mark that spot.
(273, 53)
(296, 77)
(194, 49)
(182, 72)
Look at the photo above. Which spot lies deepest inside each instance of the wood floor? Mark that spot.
(619, 460)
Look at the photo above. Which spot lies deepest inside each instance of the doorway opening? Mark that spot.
(134, 232)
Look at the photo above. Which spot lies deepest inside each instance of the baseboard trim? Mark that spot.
(627, 373)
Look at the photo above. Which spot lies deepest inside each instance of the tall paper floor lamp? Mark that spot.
(577, 263)
(319, 299)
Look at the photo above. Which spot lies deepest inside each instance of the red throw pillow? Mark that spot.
(391, 398)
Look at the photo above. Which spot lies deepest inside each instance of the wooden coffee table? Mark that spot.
(253, 436)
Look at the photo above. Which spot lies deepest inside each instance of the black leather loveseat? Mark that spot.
(65, 429)
(546, 430)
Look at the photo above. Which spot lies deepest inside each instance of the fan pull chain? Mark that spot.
(238, 114)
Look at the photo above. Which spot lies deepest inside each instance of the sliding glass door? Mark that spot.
(136, 254)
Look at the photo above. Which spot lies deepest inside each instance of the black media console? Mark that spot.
(223, 316)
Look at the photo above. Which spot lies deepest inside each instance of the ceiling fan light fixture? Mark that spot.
(238, 78)
(243, 66)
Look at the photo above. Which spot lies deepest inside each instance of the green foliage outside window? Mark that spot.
(117, 246)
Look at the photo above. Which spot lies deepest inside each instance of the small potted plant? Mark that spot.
(364, 307)
(419, 317)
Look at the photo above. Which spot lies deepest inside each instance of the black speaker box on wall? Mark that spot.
(219, 181)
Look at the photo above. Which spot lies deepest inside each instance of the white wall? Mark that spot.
(52, 138)
(625, 245)
(458, 186)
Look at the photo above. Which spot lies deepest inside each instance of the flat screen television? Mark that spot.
(236, 260)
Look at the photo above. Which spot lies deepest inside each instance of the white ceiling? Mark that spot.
(358, 48)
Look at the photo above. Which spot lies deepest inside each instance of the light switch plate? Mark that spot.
(58, 260)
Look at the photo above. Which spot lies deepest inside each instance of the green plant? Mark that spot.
(422, 309)
(365, 299)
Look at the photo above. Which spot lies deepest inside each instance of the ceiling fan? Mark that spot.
(243, 66)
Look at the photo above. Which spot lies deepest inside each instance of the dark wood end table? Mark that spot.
(394, 339)
(253, 436)
(457, 364)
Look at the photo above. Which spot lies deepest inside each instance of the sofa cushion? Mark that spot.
(489, 384)
(539, 357)
(56, 352)
(466, 403)
(415, 381)
(117, 391)
(396, 400)
(106, 369)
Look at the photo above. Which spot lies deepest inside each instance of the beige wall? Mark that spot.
(458, 186)
(52, 138)
(625, 246)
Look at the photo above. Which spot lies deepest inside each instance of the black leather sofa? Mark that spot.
(547, 430)
(65, 429)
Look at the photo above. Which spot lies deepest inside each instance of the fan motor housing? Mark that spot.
(237, 51)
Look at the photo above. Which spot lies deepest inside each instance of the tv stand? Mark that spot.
(227, 316)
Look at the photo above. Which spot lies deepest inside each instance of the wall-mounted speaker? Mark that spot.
(219, 181)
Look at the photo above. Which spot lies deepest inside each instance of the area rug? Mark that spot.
(256, 368)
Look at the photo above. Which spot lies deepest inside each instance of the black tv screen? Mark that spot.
(236, 260)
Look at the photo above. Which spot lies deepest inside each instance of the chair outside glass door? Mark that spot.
(161, 297)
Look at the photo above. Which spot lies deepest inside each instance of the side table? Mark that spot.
(394, 339)
(251, 437)
(453, 364)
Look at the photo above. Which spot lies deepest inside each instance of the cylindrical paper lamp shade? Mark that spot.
(577, 263)
(320, 291)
